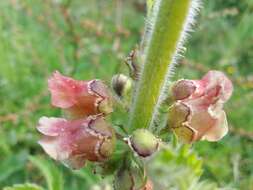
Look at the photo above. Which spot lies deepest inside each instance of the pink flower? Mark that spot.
(74, 142)
(148, 186)
(197, 113)
(79, 98)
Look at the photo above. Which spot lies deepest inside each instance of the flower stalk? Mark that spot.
(171, 20)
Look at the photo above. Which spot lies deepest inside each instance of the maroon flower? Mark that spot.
(197, 113)
(79, 98)
(74, 142)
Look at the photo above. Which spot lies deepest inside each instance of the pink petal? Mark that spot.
(51, 126)
(79, 98)
(202, 122)
(51, 146)
(216, 79)
(74, 141)
(219, 130)
(99, 88)
(200, 119)
(65, 89)
(148, 186)
(206, 120)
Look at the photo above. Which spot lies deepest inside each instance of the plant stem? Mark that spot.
(166, 35)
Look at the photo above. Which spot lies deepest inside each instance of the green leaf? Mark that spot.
(8, 166)
(26, 186)
(177, 168)
(51, 173)
(86, 175)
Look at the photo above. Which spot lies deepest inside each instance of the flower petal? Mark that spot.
(51, 126)
(219, 130)
(64, 90)
(79, 98)
(104, 102)
(206, 117)
(215, 80)
(74, 141)
(51, 146)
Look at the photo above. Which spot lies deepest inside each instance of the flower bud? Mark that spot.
(73, 142)
(131, 178)
(121, 84)
(143, 142)
(197, 113)
(79, 98)
(212, 86)
(183, 89)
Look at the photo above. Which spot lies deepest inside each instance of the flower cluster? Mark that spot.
(85, 135)
(197, 112)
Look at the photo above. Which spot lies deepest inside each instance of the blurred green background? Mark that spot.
(90, 39)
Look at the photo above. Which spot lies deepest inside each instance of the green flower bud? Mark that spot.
(129, 178)
(121, 85)
(143, 142)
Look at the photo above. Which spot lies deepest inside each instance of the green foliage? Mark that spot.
(9, 168)
(182, 156)
(50, 172)
(26, 186)
(178, 168)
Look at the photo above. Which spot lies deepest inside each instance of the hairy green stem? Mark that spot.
(164, 39)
